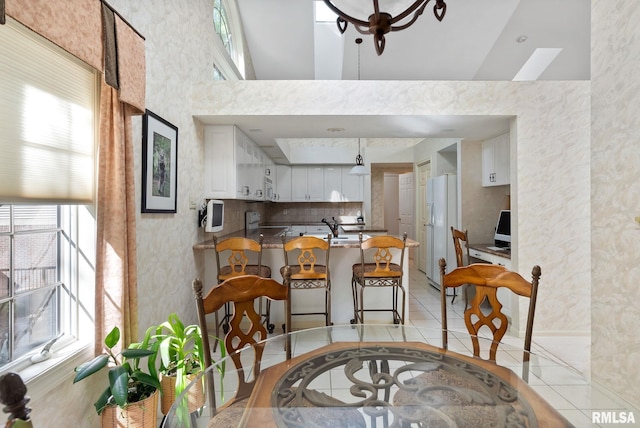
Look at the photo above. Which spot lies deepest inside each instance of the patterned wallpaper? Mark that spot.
(615, 196)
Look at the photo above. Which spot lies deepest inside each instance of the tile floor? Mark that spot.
(569, 391)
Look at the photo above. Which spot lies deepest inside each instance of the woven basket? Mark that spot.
(143, 414)
(195, 396)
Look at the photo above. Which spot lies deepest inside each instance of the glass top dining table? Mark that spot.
(373, 375)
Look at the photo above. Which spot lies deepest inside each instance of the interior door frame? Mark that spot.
(423, 174)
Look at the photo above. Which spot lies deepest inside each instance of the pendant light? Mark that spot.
(359, 168)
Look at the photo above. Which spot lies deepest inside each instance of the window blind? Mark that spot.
(47, 121)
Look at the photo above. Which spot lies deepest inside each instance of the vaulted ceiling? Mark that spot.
(476, 40)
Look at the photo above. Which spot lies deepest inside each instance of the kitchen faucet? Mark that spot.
(335, 227)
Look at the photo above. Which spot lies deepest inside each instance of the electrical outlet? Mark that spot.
(284, 211)
(341, 211)
(193, 202)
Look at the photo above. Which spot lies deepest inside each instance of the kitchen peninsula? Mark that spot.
(344, 253)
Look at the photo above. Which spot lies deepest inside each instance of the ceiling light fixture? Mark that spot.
(359, 168)
(380, 23)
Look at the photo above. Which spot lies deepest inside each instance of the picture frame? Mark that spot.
(159, 164)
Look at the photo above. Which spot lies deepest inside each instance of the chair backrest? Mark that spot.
(309, 248)
(238, 259)
(242, 292)
(461, 238)
(487, 278)
(383, 256)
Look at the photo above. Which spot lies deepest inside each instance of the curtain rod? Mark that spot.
(121, 17)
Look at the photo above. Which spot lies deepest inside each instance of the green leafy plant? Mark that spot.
(181, 353)
(180, 349)
(128, 383)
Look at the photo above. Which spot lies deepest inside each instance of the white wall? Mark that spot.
(615, 196)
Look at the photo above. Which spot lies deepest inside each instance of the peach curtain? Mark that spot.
(74, 25)
(77, 27)
(116, 271)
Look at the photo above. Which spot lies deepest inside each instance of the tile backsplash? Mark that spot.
(309, 212)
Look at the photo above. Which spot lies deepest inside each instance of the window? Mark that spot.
(48, 111)
(47, 225)
(217, 74)
(228, 56)
(47, 255)
(221, 24)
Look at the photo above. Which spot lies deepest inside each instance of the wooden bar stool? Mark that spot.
(376, 271)
(310, 272)
(237, 251)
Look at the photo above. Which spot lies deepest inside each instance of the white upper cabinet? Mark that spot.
(307, 183)
(234, 165)
(495, 161)
(236, 168)
(333, 183)
(352, 186)
(283, 183)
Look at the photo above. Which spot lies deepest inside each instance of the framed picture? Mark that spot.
(159, 164)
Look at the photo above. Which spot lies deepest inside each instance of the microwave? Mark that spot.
(215, 216)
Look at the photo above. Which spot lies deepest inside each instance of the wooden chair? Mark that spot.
(487, 279)
(237, 251)
(241, 292)
(378, 270)
(309, 272)
(461, 238)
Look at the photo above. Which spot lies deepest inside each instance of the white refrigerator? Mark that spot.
(442, 213)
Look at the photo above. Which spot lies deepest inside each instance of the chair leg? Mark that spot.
(327, 306)
(395, 312)
(466, 297)
(362, 303)
(354, 295)
(404, 298)
(215, 342)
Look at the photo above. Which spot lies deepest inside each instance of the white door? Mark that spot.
(424, 172)
(407, 205)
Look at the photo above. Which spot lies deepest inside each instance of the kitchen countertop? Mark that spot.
(272, 240)
(490, 248)
(354, 228)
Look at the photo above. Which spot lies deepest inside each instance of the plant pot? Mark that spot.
(195, 396)
(143, 414)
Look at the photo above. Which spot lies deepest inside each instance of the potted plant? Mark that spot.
(181, 353)
(131, 397)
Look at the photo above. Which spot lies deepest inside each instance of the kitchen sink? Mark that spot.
(350, 237)
(294, 231)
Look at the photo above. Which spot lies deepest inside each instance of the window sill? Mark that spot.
(42, 377)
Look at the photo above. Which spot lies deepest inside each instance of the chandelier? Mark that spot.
(379, 22)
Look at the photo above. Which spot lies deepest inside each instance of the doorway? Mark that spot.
(399, 204)
(424, 172)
